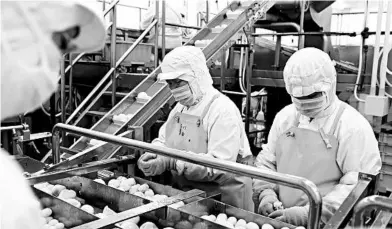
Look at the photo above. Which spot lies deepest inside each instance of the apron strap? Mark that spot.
(204, 113)
(296, 121)
(337, 118)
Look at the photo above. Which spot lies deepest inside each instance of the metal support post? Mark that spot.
(222, 70)
(156, 61)
(248, 87)
(207, 17)
(62, 89)
(163, 27)
(277, 52)
(56, 147)
(301, 39)
(113, 53)
(70, 97)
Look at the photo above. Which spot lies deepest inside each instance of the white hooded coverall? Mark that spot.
(296, 144)
(29, 75)
(221, 132)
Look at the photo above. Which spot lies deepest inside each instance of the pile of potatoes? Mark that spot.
(233, 222)
(65, 194)
(50, 222)
(142, 190)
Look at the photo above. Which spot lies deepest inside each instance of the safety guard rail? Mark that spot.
(308, 187)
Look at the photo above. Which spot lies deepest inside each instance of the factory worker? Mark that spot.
(204, 121)
(173, 34)
(317, 137)
(33, 37)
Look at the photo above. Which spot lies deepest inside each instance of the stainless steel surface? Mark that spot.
(364, 187)
(280, 25)
(29, 164)
(383, 218)
(277, 52)
(210, 206)
(307, 186)
(70, 88)
(368, 203)
(110, 221)
(87, 168)
(113, 53)
(56, 147)
(66, 213)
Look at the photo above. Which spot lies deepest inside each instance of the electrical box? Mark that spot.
(376, 105)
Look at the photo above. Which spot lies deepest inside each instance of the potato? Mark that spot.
(46, 212)
(284, 228)
(100, 181)
(114, 183)
(183, 225)
(121, 178)
(149, 193)
(252, 225)
(88, 208)
(143, 188)
(100, 215)
(129, 225)
(240, 227)
(241, 222)
(57, 189)
(59, 226)
(134, 188)
(48, 219)
(213, 218)
(134, 220)
(74, 202)
(221, 217)
(108, 212)
(53, 222)
(267, 226)
(121, 189)
(300, 227)
(67, 194)
(131, 180)
(148, 225)
(232, 220)
(200, 225)
(206, 217)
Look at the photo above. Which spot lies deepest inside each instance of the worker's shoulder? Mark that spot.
(352, 119)
(287, 111)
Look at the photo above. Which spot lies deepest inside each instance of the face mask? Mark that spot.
(184, 95)
(29, 73)
(311, 107)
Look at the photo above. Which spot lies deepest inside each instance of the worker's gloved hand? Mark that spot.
(295, 215)
(267, 199)
(151, 164)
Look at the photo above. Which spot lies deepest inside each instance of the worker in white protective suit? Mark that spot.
(317, 137)
(33, 37)
(174, 14)
(204, 121)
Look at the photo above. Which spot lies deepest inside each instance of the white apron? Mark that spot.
(186, 132)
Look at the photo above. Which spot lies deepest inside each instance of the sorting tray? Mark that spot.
(64, 212)
(210, 206)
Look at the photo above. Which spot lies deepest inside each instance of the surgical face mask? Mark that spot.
(29, 73)
(184, 95)
(311, 107)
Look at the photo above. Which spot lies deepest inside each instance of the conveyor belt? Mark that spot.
(235, 16)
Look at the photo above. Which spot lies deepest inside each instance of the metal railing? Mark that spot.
(110, 72)
(308, 187)
(371, 202)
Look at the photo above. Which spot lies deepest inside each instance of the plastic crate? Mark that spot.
(386, 177)
(385, 138)
(386, 154)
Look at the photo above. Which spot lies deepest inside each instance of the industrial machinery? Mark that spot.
(110, 114)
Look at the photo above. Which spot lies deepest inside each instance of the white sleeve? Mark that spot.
(20, 209)
(358, 152)
(266, 159)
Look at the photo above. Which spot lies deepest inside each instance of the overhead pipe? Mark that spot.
(387, 48)
(376, 49)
